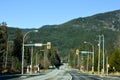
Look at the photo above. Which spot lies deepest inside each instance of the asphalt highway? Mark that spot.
(77, 75)
(59, 74)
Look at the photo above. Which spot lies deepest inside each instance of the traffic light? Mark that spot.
(77, 51)
(48, 45)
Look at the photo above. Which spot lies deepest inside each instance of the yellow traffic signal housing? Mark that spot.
(77, 51)
(48, 45)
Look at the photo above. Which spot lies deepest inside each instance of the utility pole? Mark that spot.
(31, 58)
(103, 63)
(44, 60)
(77, 53)
(88, 61)
(93, 61)
(36, 58)
(107, 65)
(103, 55)
(6, 58)
(99, 54)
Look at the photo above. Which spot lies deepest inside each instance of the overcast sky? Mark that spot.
(36, 13)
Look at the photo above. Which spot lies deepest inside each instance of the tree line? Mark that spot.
(11, 53)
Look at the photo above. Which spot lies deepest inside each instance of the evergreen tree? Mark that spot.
(54, 58)
(18, 44)
(3, 42)
(115, 60)
(18, 47)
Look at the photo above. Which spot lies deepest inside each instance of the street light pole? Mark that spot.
(22, 69)
(92, 55)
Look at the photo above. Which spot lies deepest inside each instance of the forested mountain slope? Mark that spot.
(72, 34)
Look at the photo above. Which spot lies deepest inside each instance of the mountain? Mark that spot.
(109, 20)
(71, 35)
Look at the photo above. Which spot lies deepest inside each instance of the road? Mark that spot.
(8, 77)
(55, 74)
(64, 73)
(16, 76)
(77, 75)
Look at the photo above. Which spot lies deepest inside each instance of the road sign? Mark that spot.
(84, 52)
(38, 44)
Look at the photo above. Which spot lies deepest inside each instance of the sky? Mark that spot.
(36, 13)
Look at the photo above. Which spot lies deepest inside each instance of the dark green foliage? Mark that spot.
(27, 55)
(72, 59)
(17, 50)
(3, 42)
(115, 60)
(18, 44)
(54, 58)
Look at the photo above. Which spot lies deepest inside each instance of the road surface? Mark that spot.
(77, 75)
(55, 74)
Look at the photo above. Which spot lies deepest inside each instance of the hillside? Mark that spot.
(72, 34)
